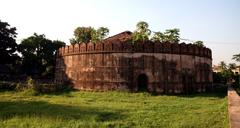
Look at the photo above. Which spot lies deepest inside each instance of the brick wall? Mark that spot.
(117, 65)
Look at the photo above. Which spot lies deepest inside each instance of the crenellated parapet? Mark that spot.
(137, 47)
(117, 63)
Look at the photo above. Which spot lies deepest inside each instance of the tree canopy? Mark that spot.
(142, 32)
(158, 37)
(226, 73)
(223, 65)
(172, 35)
(102, 32)
(38, 54)
(89, 34)
(83, 34)
(232, 66)
(8, 45)
(199, 43)
(236, 57)
(226, 70)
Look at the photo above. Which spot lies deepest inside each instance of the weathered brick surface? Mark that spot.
(117, 64)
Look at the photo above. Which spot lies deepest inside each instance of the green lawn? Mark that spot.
(112, 109)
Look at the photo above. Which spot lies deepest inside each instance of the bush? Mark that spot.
(7, 85)
(220, 88)
(236, 84)
(30, 87)
(25, 85)
(51, 88)
(219, 78)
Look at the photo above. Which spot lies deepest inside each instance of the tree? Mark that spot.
(38, 55)
(172, 35)
(232, 66)
(199, 43)
(8, 45)
(99, 34)
(102, 32)
(226, 72)
(158, 37)
(83, 34)
(223, 65)
(236, 57)
(87, 34)
(73, 41)
(142, 32)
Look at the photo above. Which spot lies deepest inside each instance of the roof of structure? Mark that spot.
(121, 37)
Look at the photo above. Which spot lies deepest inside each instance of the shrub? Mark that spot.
(51, 88)
(30, 87)
(7, 85)
(29, 84)
(219, 78)
(236, 83)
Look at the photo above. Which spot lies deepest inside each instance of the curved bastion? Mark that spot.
(118, 64)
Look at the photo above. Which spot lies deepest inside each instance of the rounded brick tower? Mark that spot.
(118, 64)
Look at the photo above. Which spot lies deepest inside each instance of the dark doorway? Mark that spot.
(142, 82)
(185, 84)
(187, 81)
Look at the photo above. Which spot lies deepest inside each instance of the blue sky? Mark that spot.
(216, 22)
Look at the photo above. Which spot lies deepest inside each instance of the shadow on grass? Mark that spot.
(206, 94)
(67, 91)
(219, 91)
(11, 109)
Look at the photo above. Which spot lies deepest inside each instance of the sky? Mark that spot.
(216, 22)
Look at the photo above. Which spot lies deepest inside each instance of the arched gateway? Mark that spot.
(118, 64)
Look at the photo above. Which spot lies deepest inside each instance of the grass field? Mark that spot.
(112, 109)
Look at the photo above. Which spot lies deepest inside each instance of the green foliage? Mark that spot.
(172, 35)
(232, 66)
(236, 84)
(87, 34)
(32, 88)
(226, 75)
(102, 32)
(99, 34)
(20, 87)
(236, 57)
(83, 34)
(8, 45)
(38, 54)
(158, 37)
(51, 88)
(223, 65)
(142, 32)
(237, 81)
(26, 88)
(199, 43)
(112, 109)
(10, 86)
(73, 41)
(218, 78)
(30, 82)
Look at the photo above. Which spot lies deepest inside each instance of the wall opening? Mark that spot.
(142, 83)
(187, 81)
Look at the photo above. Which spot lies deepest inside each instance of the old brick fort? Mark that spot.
(118, 64)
